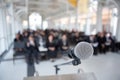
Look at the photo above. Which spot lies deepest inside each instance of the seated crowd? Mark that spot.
(51, 43)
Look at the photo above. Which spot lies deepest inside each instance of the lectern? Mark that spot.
(80, 76)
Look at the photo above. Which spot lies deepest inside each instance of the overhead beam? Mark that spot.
(41, 9)
(41, 3)
(19, 11)
(19, 7)
(41, 12)
(60, 13)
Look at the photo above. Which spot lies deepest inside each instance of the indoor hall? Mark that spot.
(59, 39)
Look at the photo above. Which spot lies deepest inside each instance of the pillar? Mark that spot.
(118, 28)
(99, 27)
(2, 31)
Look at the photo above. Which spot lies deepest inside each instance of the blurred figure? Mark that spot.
(36, 38)
(51, 48)
(25, 36)
(19, 46)
(76, 38)
(32, 50)
(42, 47)
(93, 40)
(101, 42)
(64, 44)
(110, 42)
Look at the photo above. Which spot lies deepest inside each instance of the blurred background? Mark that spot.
(35, 35)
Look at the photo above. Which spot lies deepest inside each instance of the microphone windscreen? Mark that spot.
(83, 50)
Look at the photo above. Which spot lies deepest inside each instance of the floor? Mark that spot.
(105, 67)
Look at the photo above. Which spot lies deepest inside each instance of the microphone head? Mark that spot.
(83, 50)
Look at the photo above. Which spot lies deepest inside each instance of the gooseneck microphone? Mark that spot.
(82, 51)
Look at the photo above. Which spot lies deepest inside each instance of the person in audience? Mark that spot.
(25, 36)
(18, 45)
(51, 45)
(93, 40)
(36, 38)
(43, 39)
(52, 41)
(110, 42)
(76, 38)
(101, 42)
(64, 44)
(32, 50)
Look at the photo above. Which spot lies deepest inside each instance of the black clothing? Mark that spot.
(51, 54)
(101, 45)
(110, 44)
(94, 43)
(63, 44)
(32, 52)
(19, 46)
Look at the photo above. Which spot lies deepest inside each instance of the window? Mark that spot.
(35, 21)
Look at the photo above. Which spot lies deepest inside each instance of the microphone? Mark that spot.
(82, 51)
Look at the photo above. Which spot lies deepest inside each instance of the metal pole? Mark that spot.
(41, 26)
(27, 12)
(99, 27)
(76, 20)
(88, 21)
(68, 13)
(13, 21)
(56, 69)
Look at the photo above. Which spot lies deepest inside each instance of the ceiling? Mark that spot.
(46, 8)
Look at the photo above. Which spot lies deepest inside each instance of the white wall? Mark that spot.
(9, 26)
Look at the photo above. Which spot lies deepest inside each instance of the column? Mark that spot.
(12, 18)
(3, 44)
(76, 17)
(118, 28)
(99, 27)
(88, 23)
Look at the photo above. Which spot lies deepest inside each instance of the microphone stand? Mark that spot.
(74, 62)
(57, 69)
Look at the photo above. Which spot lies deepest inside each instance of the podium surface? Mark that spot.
(81, 76)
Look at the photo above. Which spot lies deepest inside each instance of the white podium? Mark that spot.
(81, 76)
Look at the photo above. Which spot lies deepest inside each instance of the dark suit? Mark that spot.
(101, 45)
(19, 47)
(110, 44)
(51, 53)
(32, 51)
(63, 44)
(94, 43)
